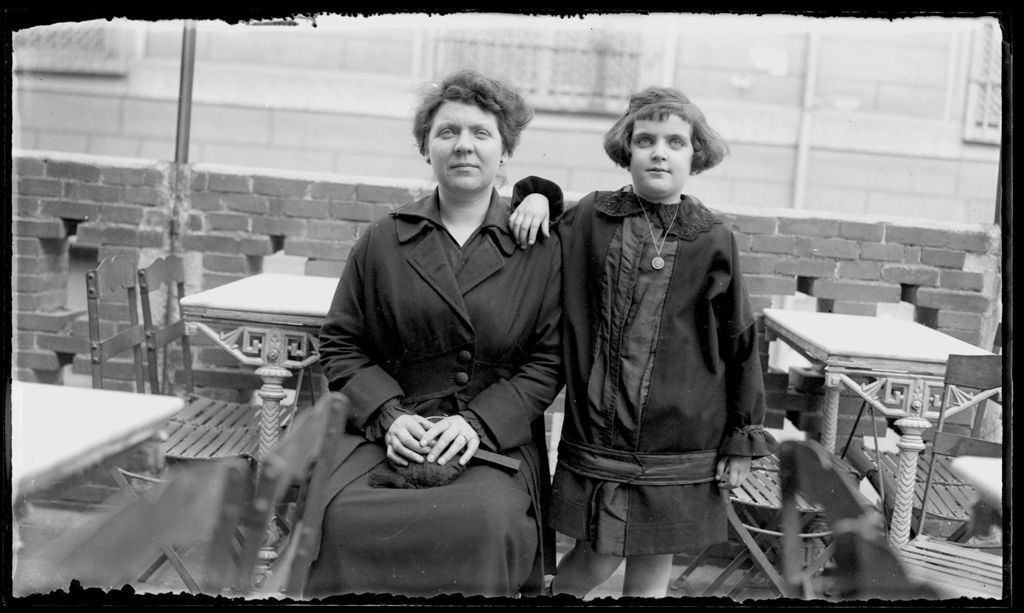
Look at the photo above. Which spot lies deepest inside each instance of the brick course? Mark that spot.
(231, 220)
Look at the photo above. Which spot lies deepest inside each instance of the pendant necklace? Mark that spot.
(658, 262)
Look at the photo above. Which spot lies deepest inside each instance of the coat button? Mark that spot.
(461, 378)
(465, 356)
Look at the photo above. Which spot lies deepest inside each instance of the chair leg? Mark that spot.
(751, 544)
(763, 550)
(680, 582)
(766, 566)
(168, 554)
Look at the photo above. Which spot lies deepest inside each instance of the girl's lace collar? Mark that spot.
(693, 220)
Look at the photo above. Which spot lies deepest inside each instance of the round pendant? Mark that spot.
(657, 263)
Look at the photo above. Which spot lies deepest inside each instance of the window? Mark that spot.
(88, 48)
(983, 116)
(558, 70)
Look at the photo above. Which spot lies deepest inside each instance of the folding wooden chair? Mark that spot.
(957, 569)
(754, 512)
(116, 283)
(301, 462)
(114, 277)
(207, 428)
(865, 566)
(201, 508)
(970, 383)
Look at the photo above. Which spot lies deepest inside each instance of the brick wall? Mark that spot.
(225, 220)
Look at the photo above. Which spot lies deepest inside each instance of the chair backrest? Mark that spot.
(970, 381)
(201, 505)
(170, 272)
(865, 565)
(297, 459)
(114, 276)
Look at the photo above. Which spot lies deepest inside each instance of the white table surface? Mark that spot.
(278, 293)
(58, 430)
(858, 336)
(986, 474)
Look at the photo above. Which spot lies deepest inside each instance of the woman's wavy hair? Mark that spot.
(470, 87)
(657, 104)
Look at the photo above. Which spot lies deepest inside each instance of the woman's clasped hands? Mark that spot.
(414, 438)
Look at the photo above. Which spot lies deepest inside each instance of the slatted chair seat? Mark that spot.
(953, 570)
(866, 566)
(763, 489)
(207, 428)
(195, 442)
(951, 496)
(207, 412)
(753, 511)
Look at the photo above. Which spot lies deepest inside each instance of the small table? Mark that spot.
(903, 363)
(57, 431)
(269, 321)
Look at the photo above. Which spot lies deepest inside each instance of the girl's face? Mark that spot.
(660, 156)
(465, 147)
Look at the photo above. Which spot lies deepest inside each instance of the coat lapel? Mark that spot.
(486, 261)
(428, 260)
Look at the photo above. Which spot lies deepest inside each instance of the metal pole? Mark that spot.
(188, 64)
(803, 144)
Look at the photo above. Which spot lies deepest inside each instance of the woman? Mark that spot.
(438, 315)
(664, 392)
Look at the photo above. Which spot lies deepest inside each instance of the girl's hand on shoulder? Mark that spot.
(732, 471)
(404, 440)
(450, 436)
(531, 216)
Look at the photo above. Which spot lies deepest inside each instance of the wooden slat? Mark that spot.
(951, 496)
(948, 444)
(241, 443)
(196, 410)
(983, 372)
(179, 448)
(121, 342)
(176, 436)
(169, 334)
(237, 415)
(212, 445)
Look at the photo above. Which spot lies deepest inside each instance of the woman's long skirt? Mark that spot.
(474, 536)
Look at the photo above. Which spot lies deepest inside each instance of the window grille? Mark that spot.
(99, 48)
(557, 70)
(983, 116)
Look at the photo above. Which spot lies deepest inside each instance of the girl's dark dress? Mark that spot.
(472, 330)
(662, 372)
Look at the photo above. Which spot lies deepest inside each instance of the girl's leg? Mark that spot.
(647, 575)
(582, 569)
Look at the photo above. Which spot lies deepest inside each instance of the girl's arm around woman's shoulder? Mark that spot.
(542, 205)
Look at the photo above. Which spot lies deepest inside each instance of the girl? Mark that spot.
(665, 397)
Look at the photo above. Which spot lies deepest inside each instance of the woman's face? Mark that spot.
(660, 156)
(465, 148)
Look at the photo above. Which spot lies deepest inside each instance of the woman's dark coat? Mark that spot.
(401, 324)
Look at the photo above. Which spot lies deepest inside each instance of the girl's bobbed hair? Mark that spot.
(657, 104)
(470, 87)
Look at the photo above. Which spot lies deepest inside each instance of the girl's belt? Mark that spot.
(638, 468)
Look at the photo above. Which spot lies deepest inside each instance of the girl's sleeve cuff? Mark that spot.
(750, 441)
(537, 185)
